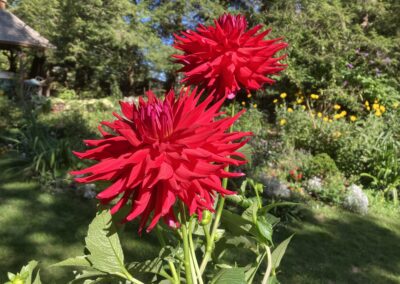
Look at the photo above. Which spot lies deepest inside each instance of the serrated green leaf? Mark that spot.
(88, 274)
(79, 261)
(235, 223)
(155, 265)
(272, 219)
(230, 276)
(248, 213)
(251, 272)
(103, 243)
(279, 252)
(265, 230)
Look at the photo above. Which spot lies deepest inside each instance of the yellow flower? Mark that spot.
(303, 107)
(326, 119)
(243, 103)
(283, 95)
(282, 122)
(319, 115)
(330, 120)
(255, 105)
(366, 103)
(375, 106)
(337, 107)
(376, 101)
(249, 95)
(290, 109)
(368, 108)
(353, 118)
(314, 96)
(378, 113)
(299, 101)
(343, 113)
(275, 101)
(337, 116)
(382, 108)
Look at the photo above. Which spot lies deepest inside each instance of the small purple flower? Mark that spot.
(387, 61)
(357, 51)
(378, 72)
(349, 65)
(298, 8)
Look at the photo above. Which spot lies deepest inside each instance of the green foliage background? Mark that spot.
(124, 46)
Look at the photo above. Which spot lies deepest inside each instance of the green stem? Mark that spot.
(186, 253)
(193, 253)
(174, 273)
(220, 207)
(269, 266)
(129, 277)
(206, 230)
(163, 243)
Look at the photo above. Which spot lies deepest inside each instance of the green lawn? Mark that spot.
(39, 225)
(330, 245)
(335, 246)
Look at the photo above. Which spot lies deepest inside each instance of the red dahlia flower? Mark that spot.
(161, 151)
(227, 57)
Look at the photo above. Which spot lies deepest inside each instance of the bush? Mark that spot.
(356, 147)
(67, 94)
(321, 165)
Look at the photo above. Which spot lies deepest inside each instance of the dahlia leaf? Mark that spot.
(230, 276)
(153, 266)
(264, 229)
(79, 261)
(236, 224)
(279, 251)
(103, 243)
(85, 275)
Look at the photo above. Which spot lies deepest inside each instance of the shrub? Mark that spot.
(321, 165)
(67, 94)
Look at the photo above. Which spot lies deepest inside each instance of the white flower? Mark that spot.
(314, 184)
(356, 200)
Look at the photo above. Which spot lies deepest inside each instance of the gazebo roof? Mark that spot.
(15, 33)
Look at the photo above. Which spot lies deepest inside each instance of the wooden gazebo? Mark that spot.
(15, 35)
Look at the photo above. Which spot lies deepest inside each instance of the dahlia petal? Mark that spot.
(130, 135)
(113, 190)
(121, 203)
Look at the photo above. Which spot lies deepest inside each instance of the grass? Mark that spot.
(330, 245)
(39, 225)
(335, 246)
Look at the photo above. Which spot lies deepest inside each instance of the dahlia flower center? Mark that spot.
(157, 119)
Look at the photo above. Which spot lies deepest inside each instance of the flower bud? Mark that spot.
(206, 218)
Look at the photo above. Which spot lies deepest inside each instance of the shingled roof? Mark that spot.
(15, 33)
